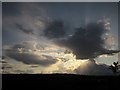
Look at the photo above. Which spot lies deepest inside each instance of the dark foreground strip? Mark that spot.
(58, 81)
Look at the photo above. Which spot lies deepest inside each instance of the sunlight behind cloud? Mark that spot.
(46, 38)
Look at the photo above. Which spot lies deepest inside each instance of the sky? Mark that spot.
(59, 37)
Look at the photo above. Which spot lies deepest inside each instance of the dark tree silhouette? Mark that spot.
(114, 67)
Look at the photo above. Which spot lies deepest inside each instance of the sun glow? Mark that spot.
(66, 61)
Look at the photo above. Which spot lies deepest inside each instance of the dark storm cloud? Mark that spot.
(55, 29)
(85, 43)
(24, 30)
(29, 58)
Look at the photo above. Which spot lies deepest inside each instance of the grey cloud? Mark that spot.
(27, 31)
(29, 58)
(91, 68)
(55, 29)
(25, 45)
(20, 19)
(85, 42)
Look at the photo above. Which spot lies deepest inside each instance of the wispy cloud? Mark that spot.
(28, 57)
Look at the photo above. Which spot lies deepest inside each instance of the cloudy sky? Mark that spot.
(59, 37)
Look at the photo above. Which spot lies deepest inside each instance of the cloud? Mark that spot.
(31, 58)
(25, 30)
(86, 43)
(28, 56)
(51, 65)
(55, 29)
(9, 68)
(25, 45)
(80, 67)
(33, 20)
(92, 68)
(25, 18)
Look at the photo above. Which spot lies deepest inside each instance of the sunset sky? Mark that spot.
(59, 37)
